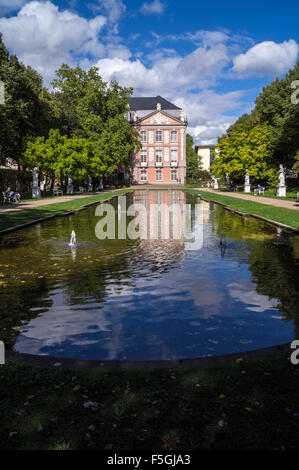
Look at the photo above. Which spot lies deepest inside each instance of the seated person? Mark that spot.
(7, 192)
(260, 188)
(13, 196)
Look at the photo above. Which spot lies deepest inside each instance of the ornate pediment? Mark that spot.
(159, 118)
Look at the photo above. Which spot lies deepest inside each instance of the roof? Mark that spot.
(150, 103)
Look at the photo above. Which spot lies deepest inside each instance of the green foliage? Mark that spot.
(296, 164)
(97, 112)
(79, 128)
(245, 123)
(192, 159)
(10, 178)
(246, 151)
(29, 109)
(274, 107)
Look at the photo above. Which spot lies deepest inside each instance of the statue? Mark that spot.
(183, 115)
(35, 185)
(158, 106)
(215, 182)
(281, 189)
(281, 176)
(70, 187)
(227, 182)
(247, 186)
(90, 187)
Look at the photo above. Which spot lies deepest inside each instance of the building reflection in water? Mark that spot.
(168, 226)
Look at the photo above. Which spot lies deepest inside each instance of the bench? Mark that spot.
(257, 191)
(12, 198)
(57, 192)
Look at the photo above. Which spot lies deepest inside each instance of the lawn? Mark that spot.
(247, 405)
(277, 214)
(14, 219)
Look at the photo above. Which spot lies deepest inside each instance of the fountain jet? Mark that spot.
(73, 240)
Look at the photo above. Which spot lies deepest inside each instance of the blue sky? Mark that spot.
(212, 58)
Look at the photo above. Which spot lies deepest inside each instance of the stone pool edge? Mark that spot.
(243, 214)
(59, 214)
(111, 365)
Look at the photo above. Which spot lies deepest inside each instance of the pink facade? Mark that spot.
(162, 158)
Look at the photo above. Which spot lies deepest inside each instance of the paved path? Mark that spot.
(268, 201)
(31, 204)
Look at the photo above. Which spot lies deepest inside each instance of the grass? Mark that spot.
(277, 214)
(247, 405)
(12, 219)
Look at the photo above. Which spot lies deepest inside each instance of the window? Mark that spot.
(143, 174)
(158, 155)
(174, 174)
(143, 156)
(159, 175)
(174, 155)
(143, 136)
(174, 136)
(158, 136)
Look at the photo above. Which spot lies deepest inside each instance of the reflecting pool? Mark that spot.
(151, 298)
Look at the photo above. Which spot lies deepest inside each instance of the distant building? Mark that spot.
(162, 129)
(205, 151)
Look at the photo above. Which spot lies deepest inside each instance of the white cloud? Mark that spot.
(9, 6)
(155, 7)
(113, 9)
(173, 77)
(44, 37)
(168, 74)
(206, 113)
(267, 58)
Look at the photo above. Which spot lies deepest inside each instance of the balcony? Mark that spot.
(144, 164)
(174, 163)
(158, 163)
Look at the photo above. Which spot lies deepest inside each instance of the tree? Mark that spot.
(192, 159)
(99, 112)
(29, 109)
(275, 108)
(246, 151)
(113, 148)
(244, 123)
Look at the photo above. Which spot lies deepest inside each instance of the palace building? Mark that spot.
(162, 129)
(206, 154)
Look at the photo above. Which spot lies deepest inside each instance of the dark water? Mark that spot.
(149, 299)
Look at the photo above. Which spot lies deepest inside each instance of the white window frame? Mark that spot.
(160, 159)
(173, 172)
(174, 136)
(143, 156)
(143, 136)
(143, 174)
(160, 135)
(159, 172)
(174, 152)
